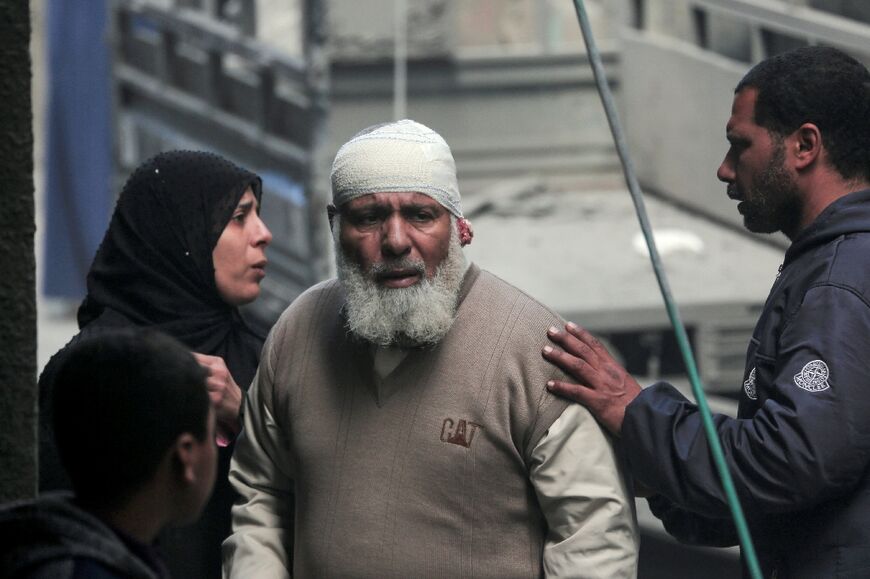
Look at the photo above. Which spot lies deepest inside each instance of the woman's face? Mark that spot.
(240, 254)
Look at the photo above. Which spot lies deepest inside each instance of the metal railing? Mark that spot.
(768, 20)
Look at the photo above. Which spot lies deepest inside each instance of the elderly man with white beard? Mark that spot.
(399, 424)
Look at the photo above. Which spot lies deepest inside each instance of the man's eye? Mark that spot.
(366, 219)
(422, 216)
(739, 146)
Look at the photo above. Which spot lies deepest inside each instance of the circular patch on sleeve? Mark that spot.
(813, 377)
(749, 386)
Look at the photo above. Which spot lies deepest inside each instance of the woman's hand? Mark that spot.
(225, 395)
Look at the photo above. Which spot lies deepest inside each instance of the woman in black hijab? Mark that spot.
(185, 248)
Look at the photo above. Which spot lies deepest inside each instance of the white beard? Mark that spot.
(419, 315)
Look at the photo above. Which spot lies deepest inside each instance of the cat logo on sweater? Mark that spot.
(460, 432)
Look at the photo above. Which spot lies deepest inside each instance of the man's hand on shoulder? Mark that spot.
(604, 386)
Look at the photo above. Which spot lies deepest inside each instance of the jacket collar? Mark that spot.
(848, 214)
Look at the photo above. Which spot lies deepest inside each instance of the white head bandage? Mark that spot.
(396, 157)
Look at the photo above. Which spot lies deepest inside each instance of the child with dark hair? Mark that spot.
(134, 429)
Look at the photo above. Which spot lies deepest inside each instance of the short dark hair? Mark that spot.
(121, 398)
(823, 86)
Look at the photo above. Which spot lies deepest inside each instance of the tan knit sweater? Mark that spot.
(423, 474)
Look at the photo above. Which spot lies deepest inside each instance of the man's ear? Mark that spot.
(331, 212)
(807, 145)
(186, 451)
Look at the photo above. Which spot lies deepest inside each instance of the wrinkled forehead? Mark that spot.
(392, 201)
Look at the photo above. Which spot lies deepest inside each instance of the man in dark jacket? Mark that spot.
(135, 431)
(799, 453)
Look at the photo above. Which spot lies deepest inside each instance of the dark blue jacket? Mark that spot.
(51, 537)
(800, 449)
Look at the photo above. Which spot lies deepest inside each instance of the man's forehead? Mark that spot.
(743, 105)
(393, 199)
(742, 117)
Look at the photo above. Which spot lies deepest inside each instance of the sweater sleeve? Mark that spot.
(807, 443)
(262, 472)
(589, 510)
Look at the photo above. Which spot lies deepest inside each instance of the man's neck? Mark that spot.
(387, 359)
(139, 517)
(821, 193)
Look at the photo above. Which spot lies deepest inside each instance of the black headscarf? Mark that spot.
(154, 266)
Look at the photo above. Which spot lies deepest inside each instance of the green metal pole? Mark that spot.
(748, 550)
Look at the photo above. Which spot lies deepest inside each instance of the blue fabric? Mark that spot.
(799, 452)
(91, 569)
(78, 158)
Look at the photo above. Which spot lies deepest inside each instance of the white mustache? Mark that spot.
(401, 264)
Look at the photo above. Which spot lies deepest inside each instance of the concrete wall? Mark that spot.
(363, 31)
(676, 100)
(503, 116)
(506, 82)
